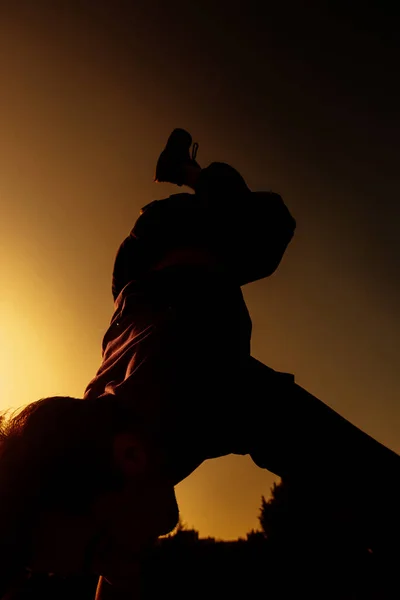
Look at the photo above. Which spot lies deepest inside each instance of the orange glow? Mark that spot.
(82, 118)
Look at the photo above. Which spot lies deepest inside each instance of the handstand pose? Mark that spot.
(89, 484)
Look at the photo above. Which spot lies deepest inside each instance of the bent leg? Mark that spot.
(302, 430)
(302, 440)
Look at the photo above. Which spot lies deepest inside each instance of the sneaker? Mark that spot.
(175, 156)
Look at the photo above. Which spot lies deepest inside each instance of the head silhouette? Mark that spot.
(81, 489)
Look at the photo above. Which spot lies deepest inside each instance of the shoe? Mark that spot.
(175, 157)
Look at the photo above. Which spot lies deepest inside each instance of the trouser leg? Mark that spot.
(331, 461)
(295, 430)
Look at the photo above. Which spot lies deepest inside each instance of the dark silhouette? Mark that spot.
(177, 386)
(294, 556)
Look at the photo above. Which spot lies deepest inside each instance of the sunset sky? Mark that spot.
(303, 103)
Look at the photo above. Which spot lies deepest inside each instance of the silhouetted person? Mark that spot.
(89, 484)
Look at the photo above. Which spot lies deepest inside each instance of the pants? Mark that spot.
(213, 398)
(218, 399)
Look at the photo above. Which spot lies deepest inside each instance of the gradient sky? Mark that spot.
(302, 102)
